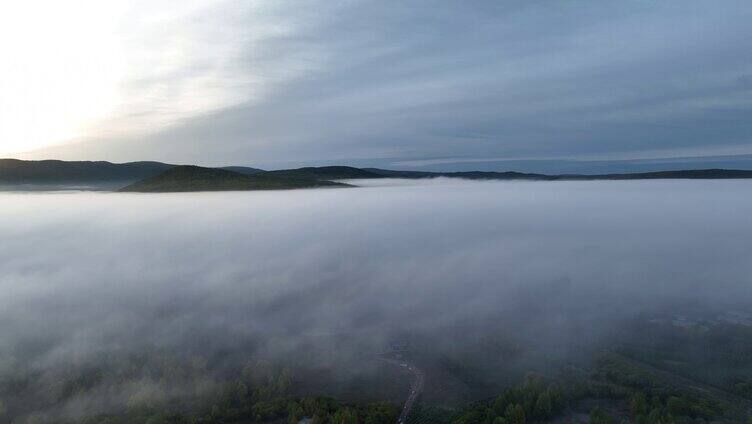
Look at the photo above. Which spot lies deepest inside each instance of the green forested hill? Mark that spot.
(14, 171)
(52, 174)
(196, 178)
(327, 173)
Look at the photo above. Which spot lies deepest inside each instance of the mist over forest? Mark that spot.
(319, 282)
(375, 212)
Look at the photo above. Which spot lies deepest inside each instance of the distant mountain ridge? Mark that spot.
(328, 172)
(243, 170)
(189, 178)
(350, 173)
(58, 172)
(708, 174)
(468, 175)
(156, 176)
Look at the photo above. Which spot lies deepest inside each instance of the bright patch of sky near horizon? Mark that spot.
(88, 68)
(257, 83)
(60, 65)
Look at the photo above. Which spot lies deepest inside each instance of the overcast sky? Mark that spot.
(276, 82)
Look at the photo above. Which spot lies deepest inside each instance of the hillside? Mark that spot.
(55, 174)
(468, 175)
(195, 178)
(707, 174)
(14, 171)
(695, 174)
(327, 173)
(243, 170)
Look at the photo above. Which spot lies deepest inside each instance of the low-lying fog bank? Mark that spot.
(321, 277)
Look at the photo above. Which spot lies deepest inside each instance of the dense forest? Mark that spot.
(160, 387)
(656, 379)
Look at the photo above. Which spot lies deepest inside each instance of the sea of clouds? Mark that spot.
(85, 273)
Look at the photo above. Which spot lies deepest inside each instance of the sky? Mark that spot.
(411, 84)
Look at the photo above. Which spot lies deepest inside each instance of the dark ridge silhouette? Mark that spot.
(327, 173)
(694, 174)
(106, 175)
(708, 174)
(468, 175)
(244, 170)
(14, 171)
(195, 178)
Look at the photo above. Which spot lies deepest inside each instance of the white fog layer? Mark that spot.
(99, 265)
(91, 273)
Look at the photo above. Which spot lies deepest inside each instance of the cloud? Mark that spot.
(313, 261)
(290, 81)
(325, 278)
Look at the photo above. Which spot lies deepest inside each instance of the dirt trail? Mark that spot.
(415, 388)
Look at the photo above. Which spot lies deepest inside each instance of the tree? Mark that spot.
(515, 414)
(284, 381)
(382, 413)
(294, 412)
(679, 406)
(500, 404)
(167, 419)
(638, 405)
(597, 416)
(543, 405)
(241, 391)
(345, 416)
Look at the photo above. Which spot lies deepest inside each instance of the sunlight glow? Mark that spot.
(60, 65)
